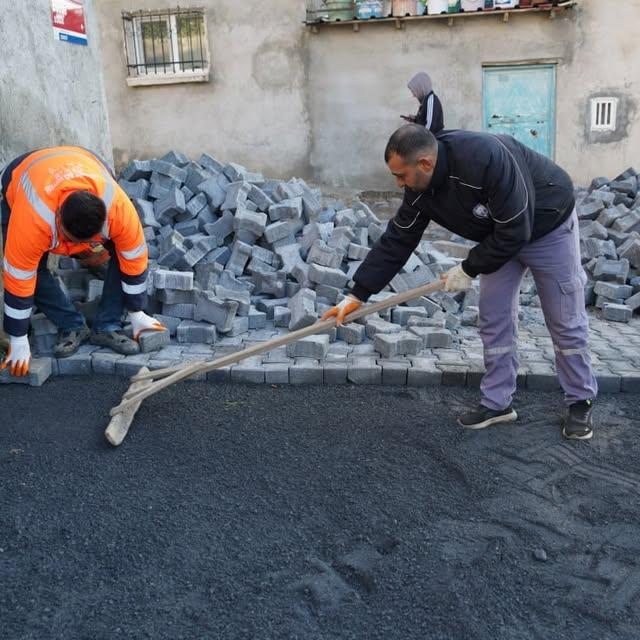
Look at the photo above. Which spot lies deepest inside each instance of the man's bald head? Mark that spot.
(411, 155)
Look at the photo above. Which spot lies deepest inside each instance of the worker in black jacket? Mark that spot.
(430, 112)
(519, 207)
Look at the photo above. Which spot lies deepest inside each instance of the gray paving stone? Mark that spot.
(243, 298)
(608, 382)
(374, 326)
(40, 369)
(257, 319)
(268, 305)
(276, 372)
(182, 311)
(302, 308)
(281, 316)
(239, 326)
(240, 254)
(542, 378)
(248, 372)
(306, 372)
(286, 209)
(175, 296)
(130, 365)
(328, 276)
(433, 337)
(453, 375)
(324, 255)
(613, 290)
(316, 347)
(190, 331)
(630, 381)
(78, 364)
(401, 315)
(364, 371)
(424, 373)
(397, 344)
(153, 340)
(104, 363)
(616, 312)
(221, 313)
(394, 373)
(159, 363)
(253, 221)
(176, 280)
(352, 333)
(221, 375)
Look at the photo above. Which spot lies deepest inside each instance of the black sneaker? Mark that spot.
(578, 424)
(483, 417)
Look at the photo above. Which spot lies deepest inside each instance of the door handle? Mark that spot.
(533, 132)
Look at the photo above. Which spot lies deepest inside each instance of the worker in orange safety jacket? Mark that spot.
(64, 200)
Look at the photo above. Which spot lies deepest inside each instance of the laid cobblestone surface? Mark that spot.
(615, 354)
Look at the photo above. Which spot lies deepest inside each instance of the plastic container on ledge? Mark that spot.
(434, 7)
(403, 8)
(472, 5)
(367, 9)
(340, 10)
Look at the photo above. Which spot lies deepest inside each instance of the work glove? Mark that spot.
(344, 308)
(140, 322)
(456, 279)
(19, 356)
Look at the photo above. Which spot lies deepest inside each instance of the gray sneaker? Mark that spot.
(70, 341)
(116, 341)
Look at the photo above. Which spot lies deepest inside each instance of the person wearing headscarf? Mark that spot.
(430, 113)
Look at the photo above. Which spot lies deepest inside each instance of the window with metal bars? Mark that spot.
(170, 43)
(603, 114)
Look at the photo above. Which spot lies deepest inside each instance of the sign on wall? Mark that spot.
(68, 21)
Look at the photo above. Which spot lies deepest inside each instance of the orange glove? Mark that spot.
(344, 308)
(19, 356)
(140, 322)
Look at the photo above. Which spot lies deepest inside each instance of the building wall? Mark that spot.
(252, 111)
(286, 101)
(51, 92)
(357, 84)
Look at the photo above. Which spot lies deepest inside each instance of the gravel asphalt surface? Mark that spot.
(241, 512)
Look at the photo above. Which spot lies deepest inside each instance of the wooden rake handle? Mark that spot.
(171, 375)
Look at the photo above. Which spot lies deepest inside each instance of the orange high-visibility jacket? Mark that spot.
(38, 187)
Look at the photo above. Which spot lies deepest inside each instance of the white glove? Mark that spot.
(140, 322)
(456, 279)
(19, 356)
(343, 309)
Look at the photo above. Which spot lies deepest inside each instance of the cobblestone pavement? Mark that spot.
(615, 349)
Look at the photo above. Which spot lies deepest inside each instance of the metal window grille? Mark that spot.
(603, 114)
(170, 41)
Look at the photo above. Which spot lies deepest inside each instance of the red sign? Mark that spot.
(68, 21)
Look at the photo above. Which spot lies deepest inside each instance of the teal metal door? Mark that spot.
(521, 101)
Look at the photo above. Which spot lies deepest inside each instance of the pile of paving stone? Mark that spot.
(233, 252)
(234, 255)
(609, 213)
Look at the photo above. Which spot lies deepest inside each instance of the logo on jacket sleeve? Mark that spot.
(480, 211)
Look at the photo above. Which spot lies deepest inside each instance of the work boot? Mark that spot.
(482, 417)
(70, 341)
(117, 341)
(578, 424)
